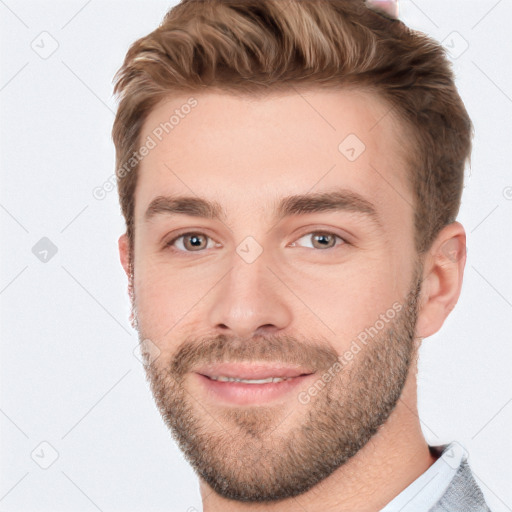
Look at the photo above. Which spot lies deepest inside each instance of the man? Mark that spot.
(290, 175)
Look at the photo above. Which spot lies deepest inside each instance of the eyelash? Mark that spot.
(323, 232)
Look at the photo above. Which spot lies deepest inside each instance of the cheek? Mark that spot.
(161, 307)
(167, 296)
(341, 303)
(159, 300)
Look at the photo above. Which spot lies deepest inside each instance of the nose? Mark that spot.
(250, 300)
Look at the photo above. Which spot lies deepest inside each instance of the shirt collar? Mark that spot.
(428, 488)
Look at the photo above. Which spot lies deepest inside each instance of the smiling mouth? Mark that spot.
(268, 380)
(250, 383)
(258, 373)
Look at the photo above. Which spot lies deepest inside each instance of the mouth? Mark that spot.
(250, 384)
(222, 378)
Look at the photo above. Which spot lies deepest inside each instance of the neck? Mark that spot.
(395, 456)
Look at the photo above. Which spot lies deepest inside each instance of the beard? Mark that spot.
(260, 453)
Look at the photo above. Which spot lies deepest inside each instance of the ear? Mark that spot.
(124, 253)
(443, 272)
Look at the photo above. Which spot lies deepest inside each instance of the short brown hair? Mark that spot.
(258, 46)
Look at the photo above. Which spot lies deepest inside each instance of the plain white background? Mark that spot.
(69, 376)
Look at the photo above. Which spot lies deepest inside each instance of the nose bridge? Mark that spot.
(249, 298)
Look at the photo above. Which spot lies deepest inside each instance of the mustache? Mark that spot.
(286, 350)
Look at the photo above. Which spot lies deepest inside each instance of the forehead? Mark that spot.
(246, 151)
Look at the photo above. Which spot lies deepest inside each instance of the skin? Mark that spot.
(246, 154)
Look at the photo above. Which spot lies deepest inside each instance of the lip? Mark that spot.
(242, 393)
(252, 370)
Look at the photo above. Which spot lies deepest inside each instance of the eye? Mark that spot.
(191, 242)
(197, 242)
(321, 240)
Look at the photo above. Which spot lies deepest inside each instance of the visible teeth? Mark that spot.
(250, 381)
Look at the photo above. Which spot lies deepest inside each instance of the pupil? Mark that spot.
(323, 239)
(195, 241)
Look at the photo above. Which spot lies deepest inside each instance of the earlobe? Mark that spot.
(124, 253)
(443, 275)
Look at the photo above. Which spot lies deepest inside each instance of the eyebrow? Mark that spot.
(337, 200)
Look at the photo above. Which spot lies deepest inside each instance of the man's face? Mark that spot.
(270, 286)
